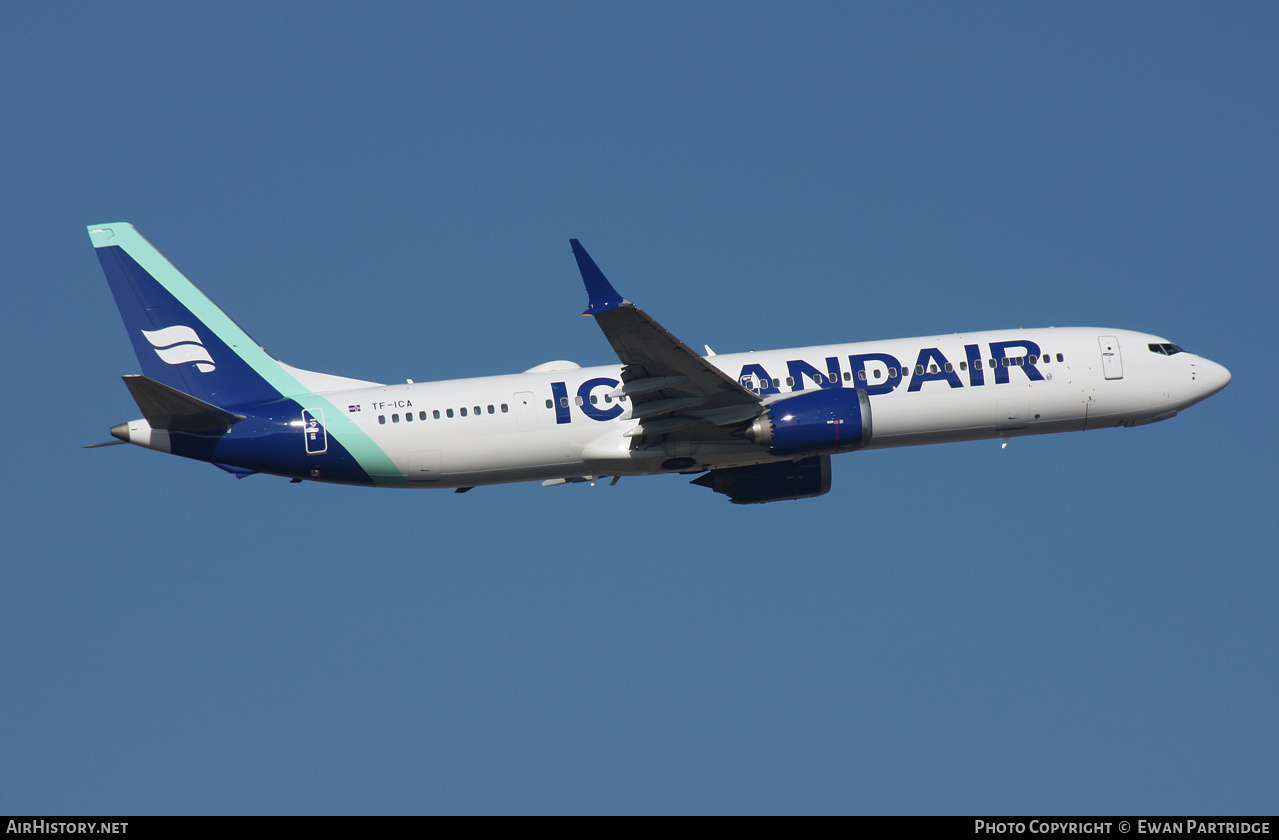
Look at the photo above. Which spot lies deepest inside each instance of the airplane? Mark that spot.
(757, 426)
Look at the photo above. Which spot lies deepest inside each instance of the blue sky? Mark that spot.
(1082, 623)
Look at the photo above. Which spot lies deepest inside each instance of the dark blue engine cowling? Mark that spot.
(802, 478)
(831, 420)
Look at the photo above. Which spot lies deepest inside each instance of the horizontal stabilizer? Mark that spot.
(238, 472)
(170, 409)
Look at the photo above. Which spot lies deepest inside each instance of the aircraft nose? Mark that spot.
(1211, 377)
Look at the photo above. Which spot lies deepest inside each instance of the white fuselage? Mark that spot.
(562, 423)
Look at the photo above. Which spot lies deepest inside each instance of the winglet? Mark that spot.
(602, 294)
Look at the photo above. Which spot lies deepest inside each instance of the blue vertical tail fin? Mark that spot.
(182, 339)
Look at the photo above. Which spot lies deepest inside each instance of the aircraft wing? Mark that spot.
(669, 386)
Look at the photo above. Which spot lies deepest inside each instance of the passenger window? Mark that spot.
(891, 373)
(963, 365)
(504, 408)
(563, 402)
(1061, 358)
(463, 410)
(848, 376)
(436, 414)
(861, 374)
(421, 415)
(578, 400)
(491, 410)
(408, 417)
(932, 368)
(790, 382)
(950, 368)
(395, 418)
(477, 411)
(449, 412)
(595, 400)
(381, 418)
(548, 404)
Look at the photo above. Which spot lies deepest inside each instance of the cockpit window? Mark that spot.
(1165, 349)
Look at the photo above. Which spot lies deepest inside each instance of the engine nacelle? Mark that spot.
(800, 479)
(831, 420)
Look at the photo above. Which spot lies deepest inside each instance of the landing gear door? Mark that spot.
(1112, 364)
(317, 439)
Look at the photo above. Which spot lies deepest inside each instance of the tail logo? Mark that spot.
(180, 345)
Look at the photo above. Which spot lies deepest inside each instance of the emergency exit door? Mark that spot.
(1112, 364)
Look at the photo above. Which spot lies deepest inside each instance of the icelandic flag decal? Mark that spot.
(351, 409)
